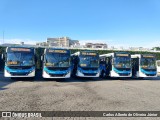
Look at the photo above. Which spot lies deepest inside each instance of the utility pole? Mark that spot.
(3, 37)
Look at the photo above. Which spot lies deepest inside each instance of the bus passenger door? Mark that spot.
(108, 65)
(102, 66)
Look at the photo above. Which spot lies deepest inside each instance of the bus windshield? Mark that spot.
(122, 62)
(57, 60)
(20, 59)
(89, 61)
(148, 63)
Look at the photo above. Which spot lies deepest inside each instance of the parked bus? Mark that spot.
(116, 64)
(56, 63)
(144, 65)
(19, 62)
(86, 64)
(158, 67)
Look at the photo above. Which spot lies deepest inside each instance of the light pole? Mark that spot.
(3, 37)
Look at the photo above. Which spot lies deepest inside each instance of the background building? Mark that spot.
(138, 49)
(42, 44)
(96, 45)
(17, 44)
(59, 42)
(74, 43)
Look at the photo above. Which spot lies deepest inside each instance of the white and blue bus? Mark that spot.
(144, 65)
(116, 64)
(86, 64)
(19, 62)
(158, 67)
(56, 63)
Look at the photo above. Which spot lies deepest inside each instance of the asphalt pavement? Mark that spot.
(80, 94)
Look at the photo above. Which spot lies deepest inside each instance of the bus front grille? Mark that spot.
(124, 74)
(57, 75)
(18, 74)
(90, 74)
(151, 74)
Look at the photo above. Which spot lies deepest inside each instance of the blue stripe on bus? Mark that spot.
(87, 71)
(121, 71)
(56, 71)
(18, 70)
(148, 72)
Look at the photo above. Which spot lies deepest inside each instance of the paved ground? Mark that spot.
(80, 95)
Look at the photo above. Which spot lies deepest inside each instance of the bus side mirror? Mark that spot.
(42, 58)
(3, 57)
(112, 61)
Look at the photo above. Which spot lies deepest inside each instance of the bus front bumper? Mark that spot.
(80, 74)
(18, 74)
(141, 74)
(47, 75)
(115, 74)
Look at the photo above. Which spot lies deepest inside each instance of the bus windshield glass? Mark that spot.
(148, 63)
(20, 59)
(57, 60)
(122, 62)
(89, 61)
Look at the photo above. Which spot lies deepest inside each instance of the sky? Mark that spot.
(119, 23)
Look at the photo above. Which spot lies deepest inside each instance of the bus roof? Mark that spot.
(56, 49)
(21, 47)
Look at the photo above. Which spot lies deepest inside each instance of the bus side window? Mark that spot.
(107, 60)
(109, 63)
(102, 61)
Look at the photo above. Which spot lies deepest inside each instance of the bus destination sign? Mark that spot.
(89, 53)
(57, 51)
(148, 56)
(122, 55)
(20, 49)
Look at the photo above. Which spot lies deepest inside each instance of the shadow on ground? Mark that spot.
(5, 81)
